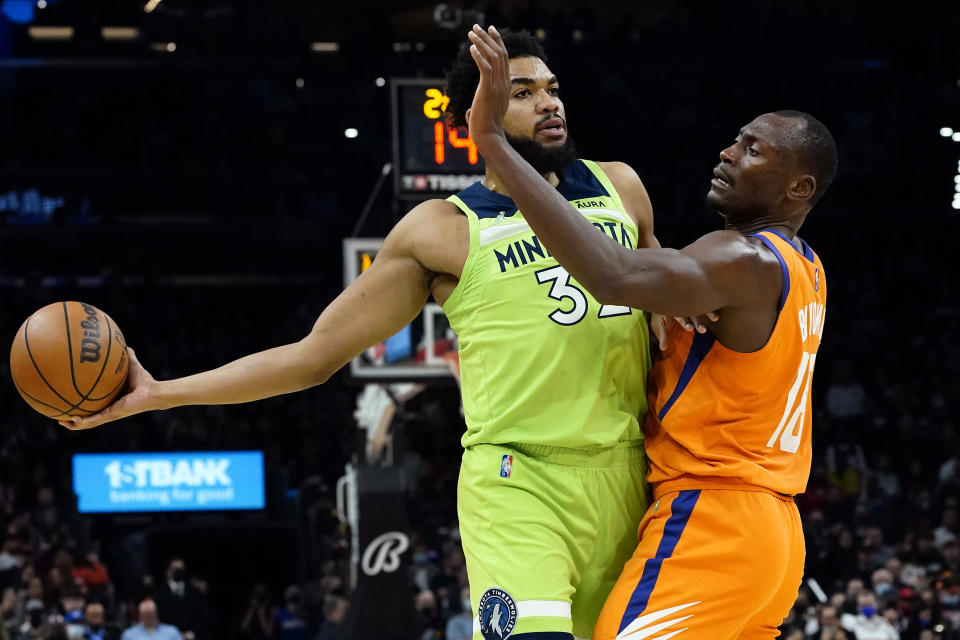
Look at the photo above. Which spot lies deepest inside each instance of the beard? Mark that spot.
(542, 158)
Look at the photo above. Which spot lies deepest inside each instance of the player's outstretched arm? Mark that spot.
(384, 299)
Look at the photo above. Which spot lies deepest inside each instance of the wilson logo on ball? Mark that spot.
(90, 345)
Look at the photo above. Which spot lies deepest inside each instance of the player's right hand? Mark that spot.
(138, 397)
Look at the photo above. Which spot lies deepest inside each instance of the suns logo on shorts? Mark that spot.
(497, 613)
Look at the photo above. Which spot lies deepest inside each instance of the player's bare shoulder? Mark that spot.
(436, 234)
(633, 194)
(738, 261)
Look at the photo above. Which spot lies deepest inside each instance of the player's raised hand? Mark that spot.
(137, 399)
(493, 92)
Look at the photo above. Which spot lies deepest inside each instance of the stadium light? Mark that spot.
(299, 83)
(380, 82)
(946, 132)
(351, 133)
(119, 33)
(41, 4)
(151, 5)
(50, 33)
(956, 136)
(325, 47)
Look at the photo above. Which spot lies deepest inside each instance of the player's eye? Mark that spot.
(753, 152)
(523, 93)
(555, 91)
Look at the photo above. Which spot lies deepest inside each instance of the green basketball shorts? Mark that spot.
(546, 532)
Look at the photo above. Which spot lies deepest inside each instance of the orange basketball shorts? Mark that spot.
(711, 565)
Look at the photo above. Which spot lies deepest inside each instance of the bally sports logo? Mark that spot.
(383, 553)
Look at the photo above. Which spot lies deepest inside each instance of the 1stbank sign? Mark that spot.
(193, 481)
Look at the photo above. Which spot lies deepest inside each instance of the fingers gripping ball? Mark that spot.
(69, 359)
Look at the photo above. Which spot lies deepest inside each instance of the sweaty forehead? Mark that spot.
(530, 67)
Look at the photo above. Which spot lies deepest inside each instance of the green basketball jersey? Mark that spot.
(541, 361)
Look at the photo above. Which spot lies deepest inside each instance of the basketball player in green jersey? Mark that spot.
(552, 485)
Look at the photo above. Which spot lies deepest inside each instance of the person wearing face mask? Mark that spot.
(289, 622)
(425, 604)
(460, 626)
(179, 603)
(868, 624)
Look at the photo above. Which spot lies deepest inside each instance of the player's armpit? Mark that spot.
(380, 302)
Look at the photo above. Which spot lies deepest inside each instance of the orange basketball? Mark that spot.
(69, 359)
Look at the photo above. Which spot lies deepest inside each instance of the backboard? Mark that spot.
(422, 351)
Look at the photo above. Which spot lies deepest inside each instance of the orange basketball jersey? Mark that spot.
(723, 419)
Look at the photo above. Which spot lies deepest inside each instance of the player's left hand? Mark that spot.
(660, 323)
(137, 398)
(493, 92)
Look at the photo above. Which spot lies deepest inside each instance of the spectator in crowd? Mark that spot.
(827, 624)
(460, 626)
(181, 604)
(867, 624)
(32, 627)
(425, 604)
(95, 619)
(846, 397)
(74, 623)
(90, 574)
(256, 623)
(55, 631)
(289, 622)
(334, 613)
(150, 627)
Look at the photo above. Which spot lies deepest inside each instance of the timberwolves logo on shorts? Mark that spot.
(498, 614)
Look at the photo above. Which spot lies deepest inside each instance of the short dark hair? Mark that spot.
(464, 76)
(816, 149)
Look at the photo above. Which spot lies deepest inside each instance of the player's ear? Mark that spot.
(466, 116)
(802, 188)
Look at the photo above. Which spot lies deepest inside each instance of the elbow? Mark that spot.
(313, 369)
(611, 290)
(606, 294)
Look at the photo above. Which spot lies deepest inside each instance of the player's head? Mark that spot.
(778, 167)
(536, 123)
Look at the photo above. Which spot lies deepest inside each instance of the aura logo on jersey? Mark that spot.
(383, 553)
(497, 614)
(210, 480)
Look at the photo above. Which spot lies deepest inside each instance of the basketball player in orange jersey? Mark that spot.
(721, 549)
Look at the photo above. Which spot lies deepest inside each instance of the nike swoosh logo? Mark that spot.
(640, 629)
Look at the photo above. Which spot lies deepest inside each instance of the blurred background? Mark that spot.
(193, 166)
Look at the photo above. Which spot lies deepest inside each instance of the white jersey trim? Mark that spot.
(536, 609)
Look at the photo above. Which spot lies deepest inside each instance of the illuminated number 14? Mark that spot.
(795, 413)
(439, 143)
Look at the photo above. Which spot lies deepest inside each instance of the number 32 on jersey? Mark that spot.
(561, 289)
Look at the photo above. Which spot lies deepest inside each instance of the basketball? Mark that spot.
(69, 359)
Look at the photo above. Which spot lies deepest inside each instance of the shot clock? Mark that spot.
(430, 158)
